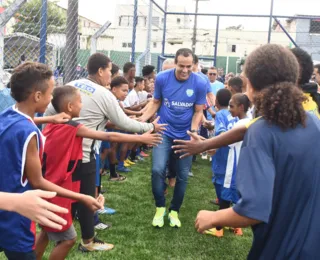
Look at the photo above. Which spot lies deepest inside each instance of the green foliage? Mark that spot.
(28, 19)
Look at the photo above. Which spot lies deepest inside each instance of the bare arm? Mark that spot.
(225, 218)
(211, 98)
(197, 117)
(147, 138)
(139, 106)
(55, 119)
(212, 113)
(153, 107)
(133, 113)
(32, 205)
(34, 175)
(196, 145)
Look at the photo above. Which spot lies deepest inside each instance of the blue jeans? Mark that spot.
(160, 157)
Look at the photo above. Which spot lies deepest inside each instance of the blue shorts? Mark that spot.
(105, 145)
(18, 255)
(230, 194)
(218, 181)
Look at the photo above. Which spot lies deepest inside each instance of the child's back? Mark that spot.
(285, 196)
(62, 154)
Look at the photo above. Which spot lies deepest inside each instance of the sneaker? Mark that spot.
(190, 174)
(174, 219)
(95, 245)
(143, 154)
(238, 231)
(204, 156)
(125, 164)
(128, 161)
(107, 210)
(158, 217)
(215, 202)
(140, 158)
(102, 226)
(123, 169)
(214, 232)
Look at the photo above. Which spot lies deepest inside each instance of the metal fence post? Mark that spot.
(148, 47)
(71, 41)
(94, 38)
(216, 42)
(164, 28)
(43, 31)
(4, 18)
(270, 22)
(134, 30)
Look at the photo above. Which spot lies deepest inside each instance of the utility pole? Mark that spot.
(70, 58)
(194, 38)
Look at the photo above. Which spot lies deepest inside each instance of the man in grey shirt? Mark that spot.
(99, 106)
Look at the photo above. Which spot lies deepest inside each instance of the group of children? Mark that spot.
(48, 160)
(54, 158)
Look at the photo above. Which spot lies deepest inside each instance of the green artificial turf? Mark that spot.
(135, 238)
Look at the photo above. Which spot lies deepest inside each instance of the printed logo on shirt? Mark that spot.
(189, 92)
(180, 105)
(88, 90)
(166, 102)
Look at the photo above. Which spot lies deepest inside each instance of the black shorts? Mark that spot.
(11, 255)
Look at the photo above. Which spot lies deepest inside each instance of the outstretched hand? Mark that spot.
(151, 138)
(60, 118)
(34, 206)
(91, 202)
(158, 127)
(204, 220)
(187, 148)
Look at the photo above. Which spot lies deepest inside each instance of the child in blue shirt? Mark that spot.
(224, 121)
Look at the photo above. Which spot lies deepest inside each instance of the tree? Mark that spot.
(29, 17)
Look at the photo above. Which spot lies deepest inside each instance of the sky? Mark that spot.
(102, 10)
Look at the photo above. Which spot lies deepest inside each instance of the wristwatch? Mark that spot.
(193, 131)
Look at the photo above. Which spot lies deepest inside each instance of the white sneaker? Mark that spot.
(204, 156)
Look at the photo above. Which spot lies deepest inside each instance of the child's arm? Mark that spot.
(146, 138)
(224, 218)
(33, 174)
(131, 112)
(56, 119)
(32, 205)
(196, 145)
(139, 106)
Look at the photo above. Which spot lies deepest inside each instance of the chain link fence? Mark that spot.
(56, 33)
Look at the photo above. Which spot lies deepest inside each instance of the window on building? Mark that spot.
(125, 20)
(315, 26)
(142, 21)
(154, 45)
(124, 45)
(162, 20)
(155, 21)
(129, 44)
(178, 20)
(232, 48)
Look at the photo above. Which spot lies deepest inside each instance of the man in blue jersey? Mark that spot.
(179, 99)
